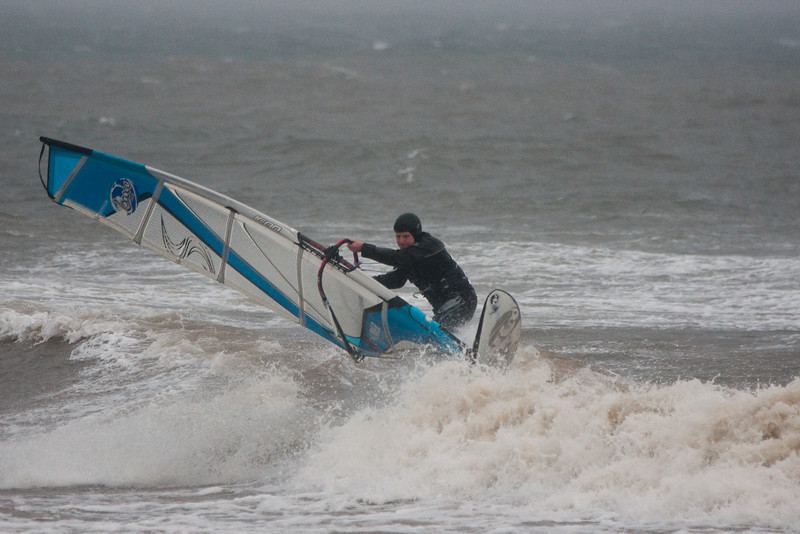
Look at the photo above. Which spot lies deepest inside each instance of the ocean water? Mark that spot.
(629, 171)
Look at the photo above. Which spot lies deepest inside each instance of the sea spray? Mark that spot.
(584, 443)
(231, 436)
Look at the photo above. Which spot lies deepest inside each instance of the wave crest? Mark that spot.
(42, 326)
(584, 441)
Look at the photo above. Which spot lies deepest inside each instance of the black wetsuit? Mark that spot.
(429, 266)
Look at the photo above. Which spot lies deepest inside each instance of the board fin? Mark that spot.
(499, 330)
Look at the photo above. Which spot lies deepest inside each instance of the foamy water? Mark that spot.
(601, 286)
(584, 442)
(539, 443)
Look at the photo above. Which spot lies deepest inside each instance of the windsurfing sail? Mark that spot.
(239, 247)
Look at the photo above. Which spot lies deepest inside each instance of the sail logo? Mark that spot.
(494, 302)
(123, 196)
(269, 224)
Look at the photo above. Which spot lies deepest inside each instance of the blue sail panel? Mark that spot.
(100, 181)
(62, 164)
(403, 322)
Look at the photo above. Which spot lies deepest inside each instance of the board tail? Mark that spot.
(499, 330)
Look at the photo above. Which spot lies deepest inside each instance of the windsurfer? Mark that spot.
(424, 260)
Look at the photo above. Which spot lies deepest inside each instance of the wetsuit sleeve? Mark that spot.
(393, 280)
(401, 260)
(387, 256)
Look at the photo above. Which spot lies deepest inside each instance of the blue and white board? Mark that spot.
(238, 246)
(499, 330)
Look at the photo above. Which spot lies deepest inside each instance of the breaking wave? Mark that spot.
(583, 441)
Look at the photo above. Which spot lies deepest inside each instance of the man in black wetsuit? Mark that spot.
(424, 261)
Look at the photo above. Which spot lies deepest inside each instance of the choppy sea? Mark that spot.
(629, 171)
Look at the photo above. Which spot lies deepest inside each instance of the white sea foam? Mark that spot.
(470, 447)
(597, 286)
(41, 326)
(132, 284)
(583, 445)
(556, 285)
(212, 438)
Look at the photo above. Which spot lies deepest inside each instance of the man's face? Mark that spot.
(404, 239)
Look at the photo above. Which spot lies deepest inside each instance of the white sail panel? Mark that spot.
(212, 214)
(169, 237)
(347, 298)
(128, 224)
(238, 282)
(272, 256)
